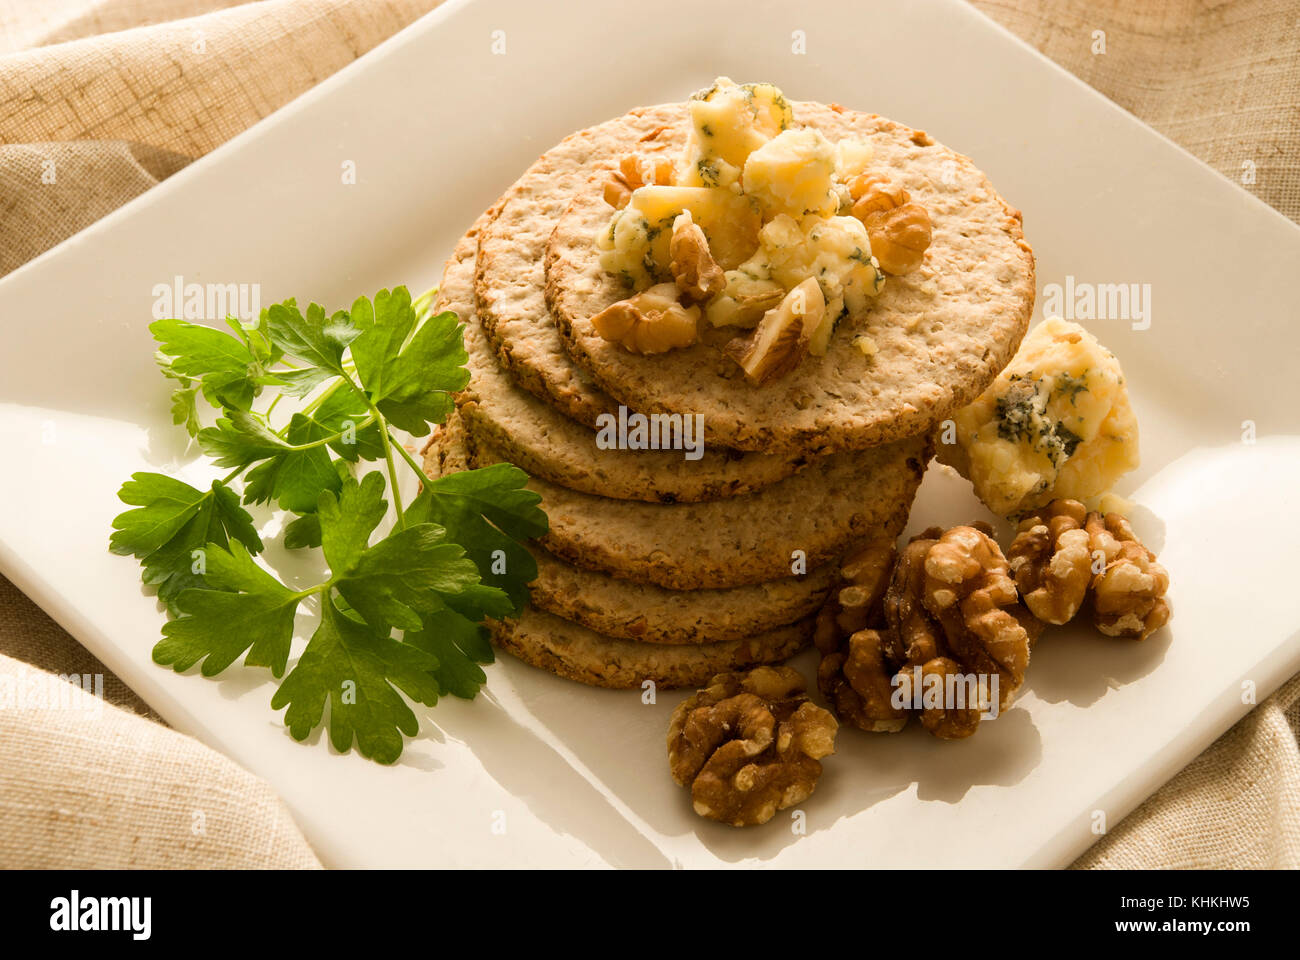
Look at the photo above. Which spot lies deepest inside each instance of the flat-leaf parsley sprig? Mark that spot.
(402, 612)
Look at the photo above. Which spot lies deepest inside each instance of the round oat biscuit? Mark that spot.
(723, 543)
(941, 333)
(652, 614)
(572, 651)
(510, 274)
(537, 437)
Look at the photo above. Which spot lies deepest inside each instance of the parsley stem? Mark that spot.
(332, 437)
(313, 591)
(424, 301)
(315, 405)
(419, 471)
(389, 443)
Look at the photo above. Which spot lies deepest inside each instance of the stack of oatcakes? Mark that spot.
(672, 565)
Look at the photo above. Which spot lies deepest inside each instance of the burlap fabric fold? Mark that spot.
(101, 99)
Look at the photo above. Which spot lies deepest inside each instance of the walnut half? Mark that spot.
(953, 702)
(854, 673)
(782, 338)
(899, 229)
(1128, 594)
(633, 172)
(866, 645)
(749, 744)
(1064, 558)
(695, 272)
(1051, 560)
(650, 322)
(969, 590)
(857, 682)
(864, 573)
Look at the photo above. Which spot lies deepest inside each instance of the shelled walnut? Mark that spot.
(694, 270)
(1064, 558)
(949, 627)
(953, 619)
(969, 590)
(900, 230)
(864, 574)
(749, 744)
(946, 720)
(856, 680)
(633, 172)
(650, 322)
(915, 634)
(781, 340)
(1050, 559)
(873, 193)
(1128, 594)
(852, 674)
(899, 237)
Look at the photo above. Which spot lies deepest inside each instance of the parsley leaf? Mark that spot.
(409, 571)
(247, 608)
(410, 382)
(230, 369)
(303, 532)
(185, 409)
(412, 579)
(293, 477)
(348, 519)
(315, 338)
(460, 645)
(359, 672)
(491, 513)
(398, 577)
(241, 438)
(300, 381)
(172, 521)
(345, 412)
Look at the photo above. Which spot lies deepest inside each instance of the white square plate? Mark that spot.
(437, 126)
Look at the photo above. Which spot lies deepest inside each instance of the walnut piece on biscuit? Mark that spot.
(900, 229)
(650, 322)
(634, 172)
(783, 337)
(899, 237)
(694, 270)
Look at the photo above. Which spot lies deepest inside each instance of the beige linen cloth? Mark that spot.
(115, 95)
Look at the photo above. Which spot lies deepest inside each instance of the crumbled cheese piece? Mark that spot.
(835, 251)
(852, 155)
(729, 121)
(1055, 423)
(635, 245)
(866, 345)
(791, 174)
(744, 300)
